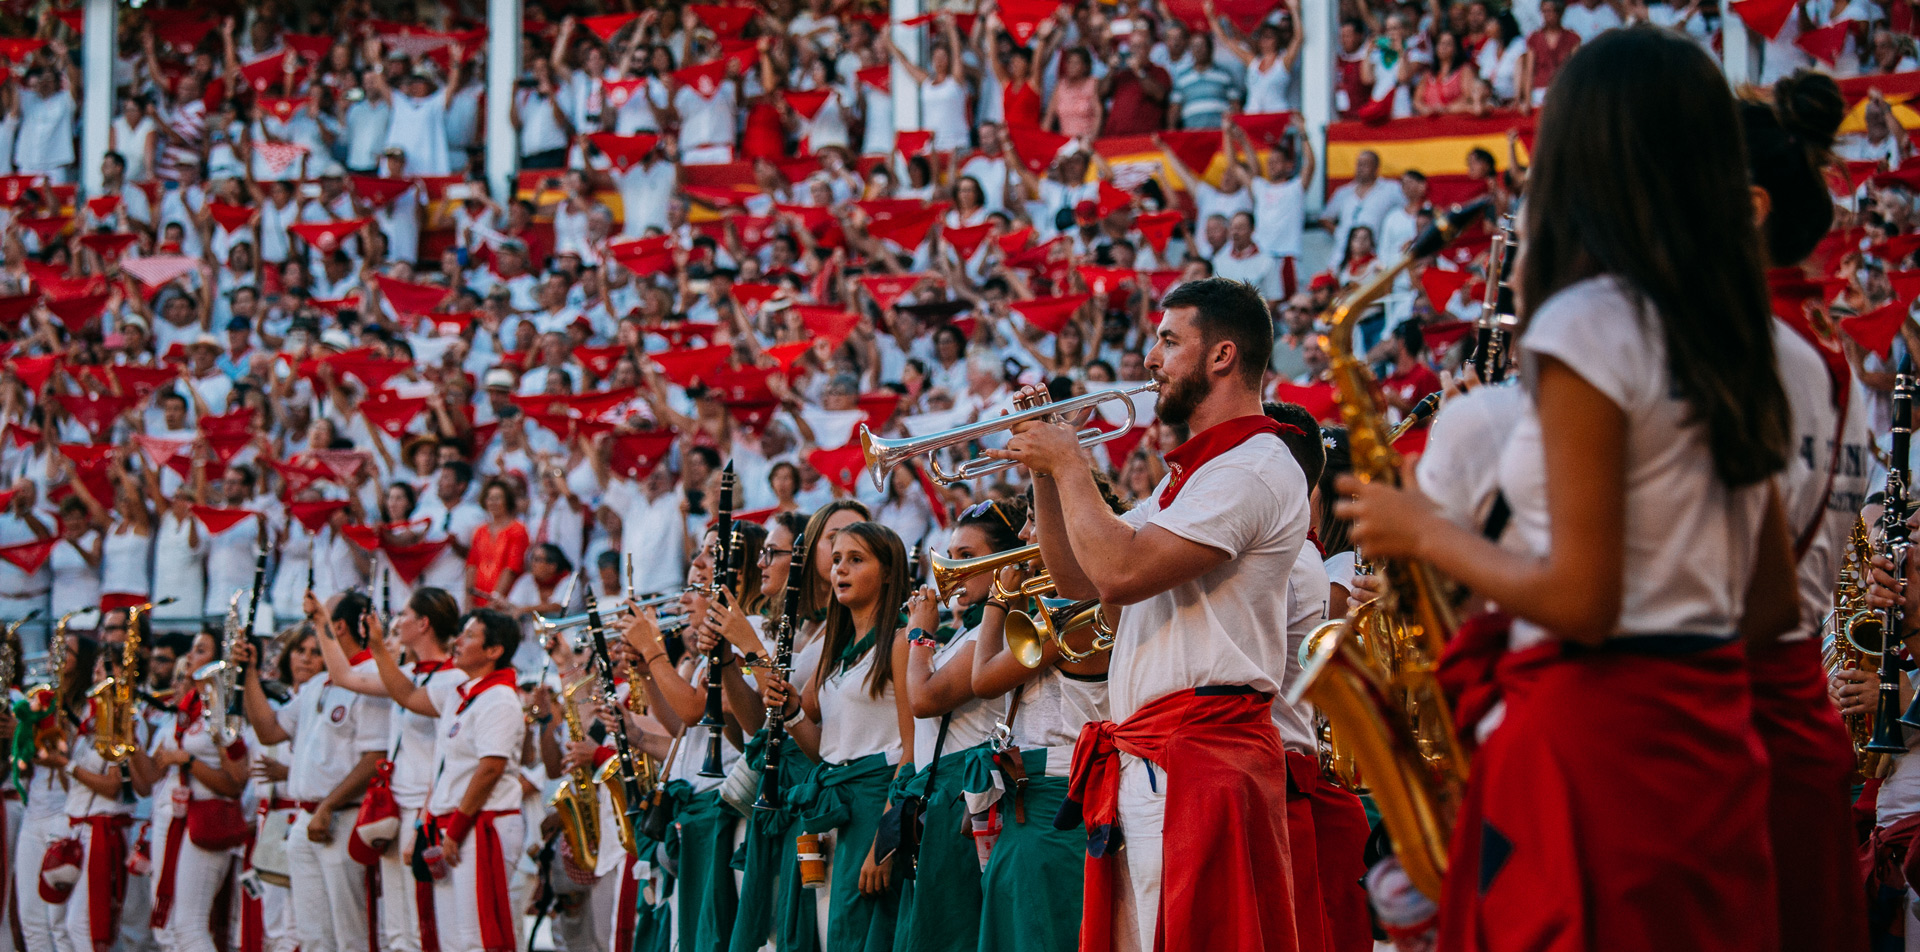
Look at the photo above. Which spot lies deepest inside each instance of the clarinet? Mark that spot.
(603, 664)
(1893, 539)
(1492, 340)
(259, 585)
(712, 718)
(770, 794)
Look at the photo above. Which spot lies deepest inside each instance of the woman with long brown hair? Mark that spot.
(853, 718)
(1613, 805)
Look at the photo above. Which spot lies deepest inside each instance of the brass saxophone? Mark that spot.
(50, 731)
(1853, 641)
(647, 770)
(576, 803)
(1372, 674)
(114, 697)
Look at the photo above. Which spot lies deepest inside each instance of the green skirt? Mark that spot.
(766, 861)
(652, 927)
(848, 799)
(704, 889)
(1031, 890)
(940, 906)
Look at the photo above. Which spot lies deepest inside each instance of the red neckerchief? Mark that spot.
(473, 689)
(1314, 537)
(365, 654)
(1187, 458)
(191, 706)
(429, 667)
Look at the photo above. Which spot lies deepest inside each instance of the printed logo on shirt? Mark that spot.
(454, 731)
(339, 714)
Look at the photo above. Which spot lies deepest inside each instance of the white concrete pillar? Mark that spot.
(97, 35)
(503, 70)
(910, 39)
(1322, 23)
(1738, 55)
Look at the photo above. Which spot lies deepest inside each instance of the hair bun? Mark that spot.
(1809, 105)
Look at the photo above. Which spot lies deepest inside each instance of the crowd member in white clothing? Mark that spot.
(196, 758)
(339, 739)
(424, 628)
(43, 924)
(473, 820)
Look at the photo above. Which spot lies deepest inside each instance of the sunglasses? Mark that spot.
(981, 508)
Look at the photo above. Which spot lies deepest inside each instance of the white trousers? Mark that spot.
(80, 905)
(43, 926)
(276, 918)
(136, 916)
(15, 812)
(399, 912)
(329, 888)
(1143, 819)
(604, 907)
(457, 898)
(196, 880)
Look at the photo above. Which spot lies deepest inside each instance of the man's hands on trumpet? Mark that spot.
(1042, 445)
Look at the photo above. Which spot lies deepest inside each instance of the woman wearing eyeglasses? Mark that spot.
(770, 833)
(940, 906)
(1031, 885)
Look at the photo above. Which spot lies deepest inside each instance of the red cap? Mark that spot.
(1323, 281)
(1087, 212)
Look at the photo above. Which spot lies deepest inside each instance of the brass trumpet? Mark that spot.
(1027, 635)
(950, 574)
(884, 454)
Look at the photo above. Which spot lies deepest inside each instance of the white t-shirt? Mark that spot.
(1227, 627)
(1457, 469)
(704, 121)
(854, 723)
(411, 737)
(1805, 482)
(645, 191)
(46, 132)
(490, 723)
(971, 722)
(331, 728)
(540, 130)
(1279, 216)
(1307, 594)
(1690, 540)
(653, 527)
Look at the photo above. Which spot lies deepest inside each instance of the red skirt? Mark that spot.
(1619, 805)
(1822, 901)
(1327, 837)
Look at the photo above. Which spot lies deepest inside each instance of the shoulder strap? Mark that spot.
(939, 744)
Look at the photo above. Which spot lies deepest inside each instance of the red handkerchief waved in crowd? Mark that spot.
(29, 556)
(842, 466)
(314, 515)
(218, 520)
(1049, 314)
(634, 455)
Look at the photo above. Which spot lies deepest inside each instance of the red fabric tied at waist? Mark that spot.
(1810, 766)
(169, 862)
(497, 926)
(1887, 857)
(1309, 903)
(106, 875)
(1467, 670)
(1614, 807)
(1226, 884)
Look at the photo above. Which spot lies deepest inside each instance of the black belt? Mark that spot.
(1227, 690)
(1657, 646)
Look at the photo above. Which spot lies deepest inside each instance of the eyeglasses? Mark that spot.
(769, 553)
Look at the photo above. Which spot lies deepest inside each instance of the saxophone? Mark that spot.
(218, 681)
(114, 697)
(1853, 637)
(576, 802)
(45, 696)
(1372, 674)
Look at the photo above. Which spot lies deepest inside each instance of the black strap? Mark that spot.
(939, 744)
(1498, 515)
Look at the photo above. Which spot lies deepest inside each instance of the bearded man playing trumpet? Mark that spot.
(1191, 756)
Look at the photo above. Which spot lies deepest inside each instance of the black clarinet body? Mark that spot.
(771, 795)
(603, 669)
(1887, 737)
(713, 718)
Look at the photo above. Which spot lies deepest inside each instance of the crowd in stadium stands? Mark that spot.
(295, 308)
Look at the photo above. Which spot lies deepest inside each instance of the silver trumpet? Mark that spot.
(546, 627)
(884, 454)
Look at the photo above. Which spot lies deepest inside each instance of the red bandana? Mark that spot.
(1200, 449)
(473, 689)
(363, 655)
(429, 667)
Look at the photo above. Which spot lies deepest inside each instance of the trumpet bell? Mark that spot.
(950, 574)
(1027, 636)
(1026, 639)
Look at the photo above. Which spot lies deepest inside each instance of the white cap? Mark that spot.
(497, 378)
